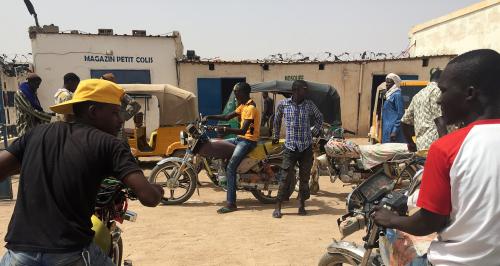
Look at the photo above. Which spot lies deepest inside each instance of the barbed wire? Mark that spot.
(15, 64)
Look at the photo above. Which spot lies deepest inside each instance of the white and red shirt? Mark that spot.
(462, 179)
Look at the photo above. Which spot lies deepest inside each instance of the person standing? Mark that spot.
(268, 109)
(248, 135)
(129, 106)
(62, 166)
(459, 196)
(392, 111)
(71, 81)
(300, 115)
(29, 112)
(419, 118)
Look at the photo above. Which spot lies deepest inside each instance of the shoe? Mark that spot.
(227, 209)
(277, 214)
(302, 211)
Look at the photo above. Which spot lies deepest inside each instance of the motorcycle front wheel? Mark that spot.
(117, 252)
(337, 259)
(176, 192)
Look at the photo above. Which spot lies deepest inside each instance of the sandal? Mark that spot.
(226, 209)
(277, 214)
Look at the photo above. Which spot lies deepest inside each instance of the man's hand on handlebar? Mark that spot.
(383, 216)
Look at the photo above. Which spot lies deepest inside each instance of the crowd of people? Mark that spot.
(62, 163)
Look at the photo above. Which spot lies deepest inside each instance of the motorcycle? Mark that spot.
(258, 172)
(381, 246)
(351, 163)
(112, 207)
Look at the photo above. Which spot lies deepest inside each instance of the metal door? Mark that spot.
(209, 96)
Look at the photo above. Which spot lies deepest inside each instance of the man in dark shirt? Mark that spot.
(268, 109)
(62, 165)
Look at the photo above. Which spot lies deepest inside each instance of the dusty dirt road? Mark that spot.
(194, 234)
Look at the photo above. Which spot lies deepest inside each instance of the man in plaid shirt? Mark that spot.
(300, 115)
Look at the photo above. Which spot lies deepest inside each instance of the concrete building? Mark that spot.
(473, 27)
(134, 58)
(355, 81)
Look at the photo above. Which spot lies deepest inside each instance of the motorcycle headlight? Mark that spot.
(184, 138)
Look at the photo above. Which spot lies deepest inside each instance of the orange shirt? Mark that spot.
(248, 111)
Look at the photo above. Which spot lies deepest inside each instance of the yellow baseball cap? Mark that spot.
(96, 90)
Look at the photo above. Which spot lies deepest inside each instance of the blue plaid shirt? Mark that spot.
(298, 123)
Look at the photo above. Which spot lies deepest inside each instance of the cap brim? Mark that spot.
(66, 107)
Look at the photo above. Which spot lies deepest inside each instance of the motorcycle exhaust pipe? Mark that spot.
(130, 216)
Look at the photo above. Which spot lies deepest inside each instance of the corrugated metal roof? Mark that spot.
(241, 62)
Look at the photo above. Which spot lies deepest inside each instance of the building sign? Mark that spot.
(294, 77)
(117, 59)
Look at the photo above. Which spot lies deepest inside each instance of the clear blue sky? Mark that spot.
(237, 29)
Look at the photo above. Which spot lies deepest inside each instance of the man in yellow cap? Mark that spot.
(62, 165)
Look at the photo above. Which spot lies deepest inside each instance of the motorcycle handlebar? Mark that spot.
(349, 132)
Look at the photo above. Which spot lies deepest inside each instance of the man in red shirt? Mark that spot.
(459, 194)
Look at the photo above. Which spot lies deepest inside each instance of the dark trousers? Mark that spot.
(290, 159)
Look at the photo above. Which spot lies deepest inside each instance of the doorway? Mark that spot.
(213, 94)
(376, 81)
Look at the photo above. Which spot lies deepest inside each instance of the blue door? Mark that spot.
(209, 96)
(5, 185)
(124, 76)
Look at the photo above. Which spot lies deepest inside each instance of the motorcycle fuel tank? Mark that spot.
(217, 149)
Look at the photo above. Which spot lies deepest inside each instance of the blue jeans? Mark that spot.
(243, 147)
(91, 255)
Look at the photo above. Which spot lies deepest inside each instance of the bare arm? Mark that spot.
(149, 194)
(421, 223)
(9, 165)
(222, 117)
(238, 131)
(441, 126)
(277, 121)
(318, 120)
(409, 132)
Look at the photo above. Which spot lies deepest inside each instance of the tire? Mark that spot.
(261, 196)
(117, 252)
(271, 196)
(187, 182)
(338, 259)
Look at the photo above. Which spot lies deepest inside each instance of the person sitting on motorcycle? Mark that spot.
(248, 135)
(459, 193)
(62, 165)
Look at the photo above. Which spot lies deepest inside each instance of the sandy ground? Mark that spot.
(194, 234)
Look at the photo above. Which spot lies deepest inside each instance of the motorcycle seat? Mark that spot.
(265, 148)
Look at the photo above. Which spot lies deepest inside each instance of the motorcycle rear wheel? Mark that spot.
(162, 174)
(337, 259)
(265, 197)
(271, 196)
